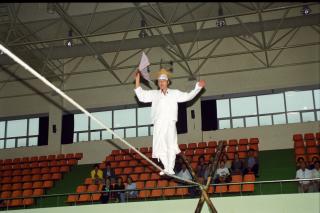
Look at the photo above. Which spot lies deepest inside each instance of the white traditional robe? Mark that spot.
(164, 115)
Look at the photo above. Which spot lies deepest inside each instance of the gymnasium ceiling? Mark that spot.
(110, 33)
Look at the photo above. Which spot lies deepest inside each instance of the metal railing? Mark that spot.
(64, 203)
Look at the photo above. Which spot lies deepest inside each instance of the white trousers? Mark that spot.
(165, 143)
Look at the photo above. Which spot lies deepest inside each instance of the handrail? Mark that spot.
(168, 187)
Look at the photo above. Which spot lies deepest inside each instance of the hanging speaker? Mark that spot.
(192, 114)
(54, 128)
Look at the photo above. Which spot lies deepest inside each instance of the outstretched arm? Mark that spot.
(187, 96)
(143, 95)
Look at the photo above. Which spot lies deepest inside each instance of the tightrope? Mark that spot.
(74, 103)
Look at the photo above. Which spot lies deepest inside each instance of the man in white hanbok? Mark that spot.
(164, 115)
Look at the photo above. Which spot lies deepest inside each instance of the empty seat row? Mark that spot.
(26, 201)
(27, 185)
(44, 170)
(306, 137)
(70, 162)
(76, 156)
(29, 178)
(212, 144)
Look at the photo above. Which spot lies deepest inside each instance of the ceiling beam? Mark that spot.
(181, 37)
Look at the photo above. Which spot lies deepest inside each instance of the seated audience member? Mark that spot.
(106, 187)
(211, 160)
(201, 167)
(237, 165)
(178, 164)
(316, 174)
(120, 186)
(300, 160)
(314, 159)
(222, 174)
(251, 164)
(131, 185)
(185, 174)
(108, 172)
(304, 173)
(228, 163)
(97, 174)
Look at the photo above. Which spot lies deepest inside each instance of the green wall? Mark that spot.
(281, 203)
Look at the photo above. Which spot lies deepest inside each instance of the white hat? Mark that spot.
(163, 77)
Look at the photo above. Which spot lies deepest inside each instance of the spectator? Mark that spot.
(120, 186)
(237, 165)
(316, 174)
(222, 174)
(251, 164)
(314, 159)
(108, 172)
(228, 163)
(178, 164)
(97, 174)
(304, 173)
(131, 185)
(201, 167)
(206, 172)
(185, 174)
(299, 160)
(211, 160)
(106, 187)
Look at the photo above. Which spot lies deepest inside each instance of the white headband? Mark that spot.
(163, 77)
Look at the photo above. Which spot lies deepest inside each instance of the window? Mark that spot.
(10, 143)
(133, 122)
(34, 126)
(269, 109)
(308, 116)
(301, 100)
(293, 117)
(119, 132)
(94, 136)
(106, 135)
(22, 142)
(2, 129)
(144, 116)
(16, 128)
(271, 103)
(265, 120)
(243, 106)
(131, 132)
(143, 131)
(104, 117)
(279, 119)
(317, 98)
(17, 132)
(237, 122)
(124, 117)
(251, 121)
(81, 122)
(224, 124)
(1, 144)
(33, 141)
(223, 108)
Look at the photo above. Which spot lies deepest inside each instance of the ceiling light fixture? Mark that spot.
(221, 21)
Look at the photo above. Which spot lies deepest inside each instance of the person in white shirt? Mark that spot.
(304, 173)
(131, 185)
(164, 115)
(222, 174)
(316, 174)
(184, 173)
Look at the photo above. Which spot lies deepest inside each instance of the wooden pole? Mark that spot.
(213, 168)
